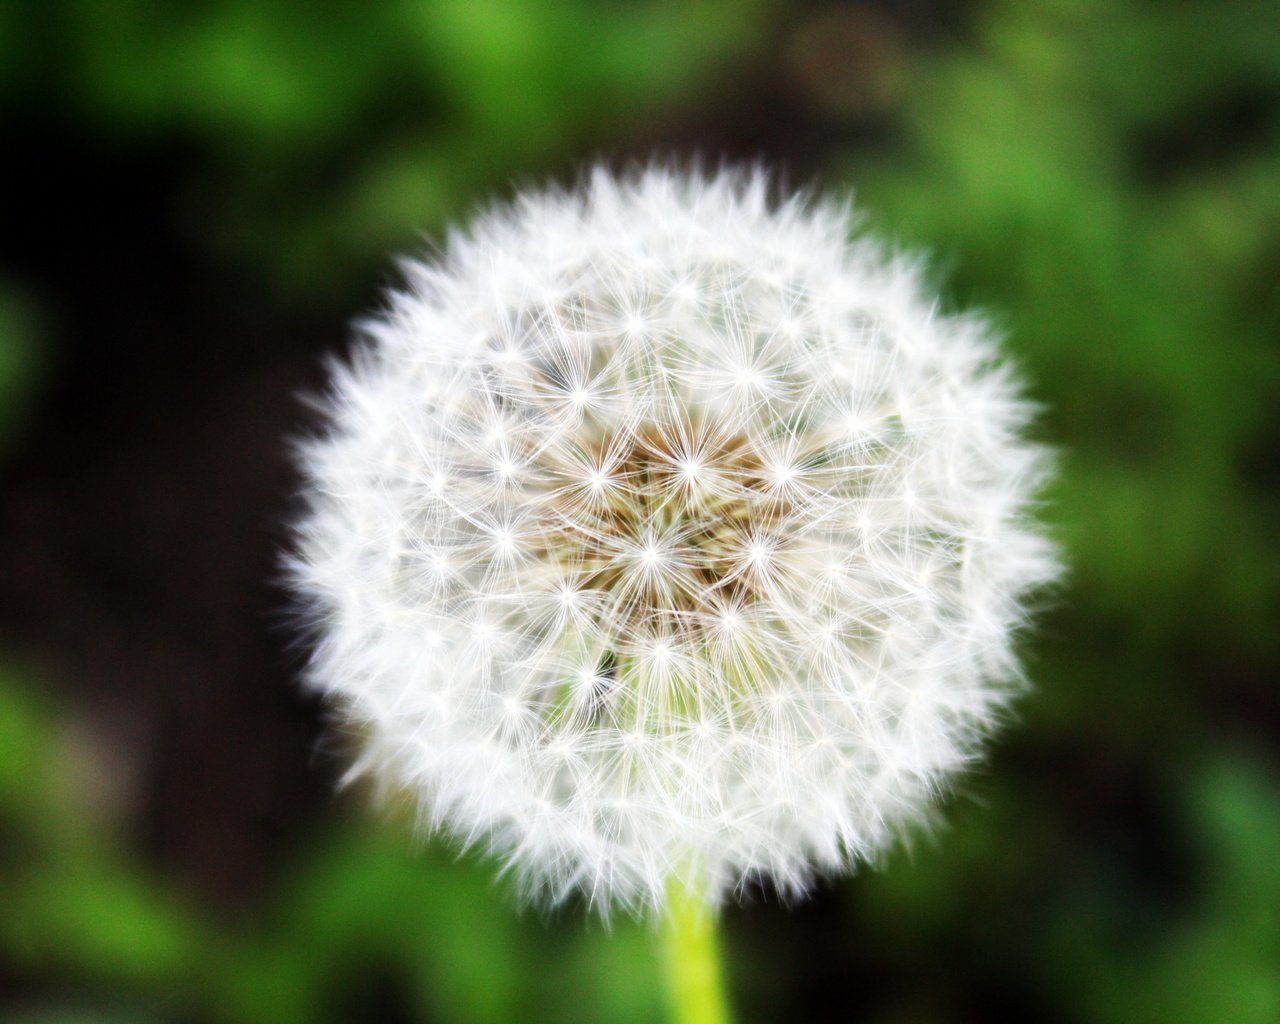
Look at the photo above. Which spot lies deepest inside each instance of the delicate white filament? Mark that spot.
(658, 527)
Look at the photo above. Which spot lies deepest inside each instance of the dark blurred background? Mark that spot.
(200, 197)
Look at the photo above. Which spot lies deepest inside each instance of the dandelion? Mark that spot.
(664, 535)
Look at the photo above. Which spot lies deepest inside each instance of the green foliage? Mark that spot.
(1133, 283)
(20, 358)
(1217, 959)
(336, 132)
(1070, 170)
(72, 896)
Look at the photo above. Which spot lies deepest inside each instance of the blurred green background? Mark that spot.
(200, 197)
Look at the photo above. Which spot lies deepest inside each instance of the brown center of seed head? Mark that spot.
(666, 525)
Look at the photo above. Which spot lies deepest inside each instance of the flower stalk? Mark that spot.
(691, 960)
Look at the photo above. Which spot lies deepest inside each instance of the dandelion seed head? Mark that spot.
(659, 530)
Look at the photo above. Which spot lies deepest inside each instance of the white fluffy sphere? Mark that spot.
(664, 532)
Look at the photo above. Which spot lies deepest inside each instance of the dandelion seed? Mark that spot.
(658, 533)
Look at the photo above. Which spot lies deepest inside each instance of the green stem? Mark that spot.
(695, 984)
